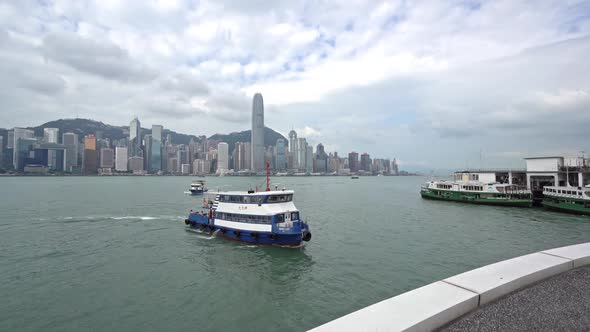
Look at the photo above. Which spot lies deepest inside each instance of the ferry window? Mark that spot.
(294, 215)
(282, 198)
(272, 199)
(280, 218)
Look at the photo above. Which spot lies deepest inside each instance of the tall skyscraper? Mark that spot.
(301, 154)
(257, 136)
(156, 149)
(70, 140)
(293, 149)
(135, 137)
(353, 161)
(365, 162)
(90, 154)
(20, 133)
(121, 158)
(50, 135)
(281, 155)
(309, 159)
(320, 163)
(222, 158)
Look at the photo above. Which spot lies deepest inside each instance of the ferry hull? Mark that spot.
(251, 237)
(482, 201)
(566, 207)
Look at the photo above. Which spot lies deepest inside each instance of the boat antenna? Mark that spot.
(267, 176)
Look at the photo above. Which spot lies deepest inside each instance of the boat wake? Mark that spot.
(203, 235)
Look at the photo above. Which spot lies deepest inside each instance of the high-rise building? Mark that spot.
(90, 154)
(107, 158)
(23, 152)
(280, 155)
(320, 163)
(309, 159)
(1, 150)
(353, 161)
(136, 164)
(201, 167)
(18, 151)
(222, 158)
(121, 158)
(301, 154)
(293, 149)
(156, 149)
(50, 135)
(70, 141)
(242, 156)
(257, 135)
(365, 162)
(135, 137)
(10, 139)
(394, 167)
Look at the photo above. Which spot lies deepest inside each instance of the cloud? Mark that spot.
(99, 58)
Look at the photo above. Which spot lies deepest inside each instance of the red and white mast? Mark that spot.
(267, 176)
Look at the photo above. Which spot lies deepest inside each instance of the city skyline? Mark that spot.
(362, 78)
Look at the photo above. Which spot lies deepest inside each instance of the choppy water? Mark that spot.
(112, 253)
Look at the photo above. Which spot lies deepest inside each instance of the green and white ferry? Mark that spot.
(567, 199)
(467, 188)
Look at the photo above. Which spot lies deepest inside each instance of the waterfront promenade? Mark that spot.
(546, 290)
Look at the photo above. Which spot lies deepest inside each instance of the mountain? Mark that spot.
(85, 126)
(270, 137)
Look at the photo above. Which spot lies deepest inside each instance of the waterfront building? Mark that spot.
(301, 154)
(20, 133)
(365, 162)
(242, 156)
(280, 155)
(201, 166)
(147, 156)
(294, 150)
(10, 139)
(257, 134)
(90, 154)
(320, 162)
(70, 141)
(121, 158)
(50, 135)
(353, 162)
(135, 137)
(309, 159)
(136, 164)
(394, 167)
(107, 158)
(156, 149)
(185, 169)
(290, 161)
(172, 165)
(1, 150)
(182, 154)
(269, 157)
(222, 158)
(23, 151)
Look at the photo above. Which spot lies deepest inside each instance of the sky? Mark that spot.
(435, 84)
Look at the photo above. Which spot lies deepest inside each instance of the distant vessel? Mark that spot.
(477, 193)
(567, 199)
(198, 187)
(267, 217)
(355, 177)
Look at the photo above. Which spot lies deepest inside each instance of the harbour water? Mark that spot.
(112, 253)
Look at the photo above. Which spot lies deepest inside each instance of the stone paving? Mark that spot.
(561, 303)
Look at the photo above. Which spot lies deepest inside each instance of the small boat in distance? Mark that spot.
(354, 177)
(197, 187)
(567, 199)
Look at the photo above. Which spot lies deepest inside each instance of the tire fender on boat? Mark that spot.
(237, 233)
(272, 236)
(186, 222)
(306, 237)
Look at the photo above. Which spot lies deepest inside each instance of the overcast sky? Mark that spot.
(434, 83)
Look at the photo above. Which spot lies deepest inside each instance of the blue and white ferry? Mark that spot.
(266, 217)
(198, 188)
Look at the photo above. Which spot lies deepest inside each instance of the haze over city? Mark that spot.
(495, 81)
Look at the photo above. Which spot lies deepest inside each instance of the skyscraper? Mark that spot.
(301, 154)
(281, 155)
(293, 149)
(156, 149)
(257, 136)
(222, 158)
(70, 140)
(20, 133)
(353, 161)
(365, 162)
(107, 158)
(121, 159)
(50, 135)
(135, 137)
(90, 154)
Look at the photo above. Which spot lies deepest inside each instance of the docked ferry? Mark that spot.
(477, 193)
(567, 199)
(198, 187)
(267, 217)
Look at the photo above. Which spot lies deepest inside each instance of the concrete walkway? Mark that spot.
(560, 303)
